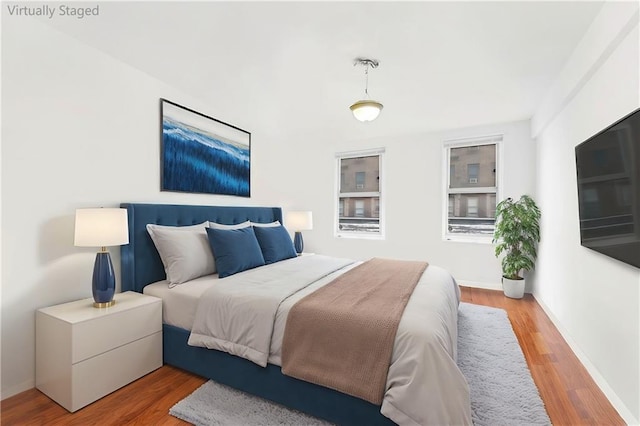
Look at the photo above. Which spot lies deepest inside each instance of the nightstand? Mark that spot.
(83, 353)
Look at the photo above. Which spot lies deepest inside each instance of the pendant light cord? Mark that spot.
(366, 86)
(366, 62)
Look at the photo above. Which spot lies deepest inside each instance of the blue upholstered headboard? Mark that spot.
(141, 264)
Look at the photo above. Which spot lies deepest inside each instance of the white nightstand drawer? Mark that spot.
(91, 380)
(91, 338)
(94, 331)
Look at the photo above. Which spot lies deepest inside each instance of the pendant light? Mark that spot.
(366, 109)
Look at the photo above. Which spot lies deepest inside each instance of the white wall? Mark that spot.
(413, 197)
(593, 299)
(80, 129)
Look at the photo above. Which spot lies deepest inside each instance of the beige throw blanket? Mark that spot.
(342, 335)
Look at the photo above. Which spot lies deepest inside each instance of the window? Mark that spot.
(472, 172)
(470, 203)
(359, 195)
(472, 207)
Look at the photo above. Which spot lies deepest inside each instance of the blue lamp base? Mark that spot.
(104, 281)
(297, 242)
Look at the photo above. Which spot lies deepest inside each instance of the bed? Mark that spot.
(142, 267)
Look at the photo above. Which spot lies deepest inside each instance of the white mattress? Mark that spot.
(180, 302)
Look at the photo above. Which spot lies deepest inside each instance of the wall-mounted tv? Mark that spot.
(608, 166)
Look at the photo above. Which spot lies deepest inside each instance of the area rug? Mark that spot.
(500, 384)
(502, 391)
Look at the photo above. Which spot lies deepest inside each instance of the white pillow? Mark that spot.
(215, 225)
(196, 227)
(184, 250)
(266, 225)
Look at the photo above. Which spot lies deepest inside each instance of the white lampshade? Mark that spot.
(101, 227)
(300, 221)
(366, 110)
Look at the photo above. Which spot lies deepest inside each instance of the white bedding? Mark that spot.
(180, 302)
(237, 315)
(424, 384)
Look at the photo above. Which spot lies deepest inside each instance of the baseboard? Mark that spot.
(14, 390)
(600, 381)
(478, 284)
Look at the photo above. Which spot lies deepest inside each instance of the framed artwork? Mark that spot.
(201, 154)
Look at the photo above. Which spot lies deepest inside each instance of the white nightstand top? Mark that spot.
(83, 310)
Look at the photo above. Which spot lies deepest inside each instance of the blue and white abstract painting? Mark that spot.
(201, 154)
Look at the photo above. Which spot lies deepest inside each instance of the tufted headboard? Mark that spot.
(141, 264)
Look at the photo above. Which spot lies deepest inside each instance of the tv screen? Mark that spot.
(608, 166)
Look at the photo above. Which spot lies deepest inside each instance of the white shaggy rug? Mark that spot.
(502, 391)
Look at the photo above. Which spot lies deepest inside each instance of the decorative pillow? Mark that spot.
(184, 251)
(275, 243)
(265, 225)
(235, 250)
(215, 225)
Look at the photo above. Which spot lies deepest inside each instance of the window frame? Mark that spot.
(379, 152)
(447, 145)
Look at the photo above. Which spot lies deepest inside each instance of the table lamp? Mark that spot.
(299, 221)
(102, 228)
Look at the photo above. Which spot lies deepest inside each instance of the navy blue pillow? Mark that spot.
(275, 243)
(235, 250)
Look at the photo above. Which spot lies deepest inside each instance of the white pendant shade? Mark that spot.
(366, 110)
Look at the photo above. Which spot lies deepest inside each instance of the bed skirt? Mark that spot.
(268, 382)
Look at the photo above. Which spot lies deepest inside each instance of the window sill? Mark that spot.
(468, 239)
(357, 236)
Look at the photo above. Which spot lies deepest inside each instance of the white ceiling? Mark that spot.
(289, 65)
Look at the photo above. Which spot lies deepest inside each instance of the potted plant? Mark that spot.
(517, 234)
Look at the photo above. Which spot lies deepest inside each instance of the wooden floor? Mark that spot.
(570, 396)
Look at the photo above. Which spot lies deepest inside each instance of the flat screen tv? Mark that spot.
(608, 166)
